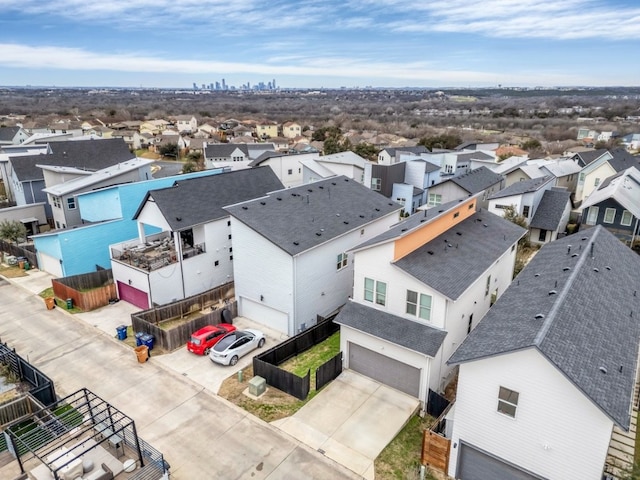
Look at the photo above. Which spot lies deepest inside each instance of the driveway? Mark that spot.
(352, 420)
(183, 420)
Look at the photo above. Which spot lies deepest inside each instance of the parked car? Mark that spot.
(235, 345)
(204, 339)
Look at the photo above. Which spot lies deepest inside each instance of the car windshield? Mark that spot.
(195, 340)
(225, 342)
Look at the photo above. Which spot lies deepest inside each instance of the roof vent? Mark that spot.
(573, 255)
(603, 369)
(596, 269)
(377, 209)
(430, 252)
(485, 225)
(279, 198)
(449, 245)
(566, 269)
(583, 238)
(390, 204)
(245, 207)
(539, 316)
(423, 220)
(318, 234)
(179, 219)
(346, 179)
(321, 187)
(309, 189)
(553, 292)
(296, 243)
(537, 275)
(333, 183)
(608, 267)
(459, 233)
(263, 203)
(440, 211)
(345, 222)
(361, 216)
(403, 230)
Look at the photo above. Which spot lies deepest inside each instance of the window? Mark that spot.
(434, 200)
(609, 215)
(507, 401)
(425, 307)
(401, 201)
(229, 236)
(412, 302)
(342, 261)
(501, 207)
(626, 218)
(71, 203)
(592, 217)
(228, 223)
(376, 184)
(542, 237)
(422, 308)
(216, 263)
(56, 201)
(471, 205)
(230, 257)
(379, 288)
(581, 178)
(596, 182)
(488, 287)
(525, 211)
(230, 249)
(470, 325)
(290, 172)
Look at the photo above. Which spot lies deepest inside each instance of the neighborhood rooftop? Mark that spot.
(452, 261)
(477, 180)
(525, 186)
(577, 303)
(301, 218)
(549, 213)
(622, 160)
(410, 334)
(624, 188)
(198, 200)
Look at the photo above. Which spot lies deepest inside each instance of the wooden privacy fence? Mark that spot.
(26, 251)
(89, 291)
(435, 451)
(283, 380)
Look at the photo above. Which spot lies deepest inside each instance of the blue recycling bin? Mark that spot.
(122, 332)
(148, 340)
(139, 336)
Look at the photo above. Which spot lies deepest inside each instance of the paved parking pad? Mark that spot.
(352, 420)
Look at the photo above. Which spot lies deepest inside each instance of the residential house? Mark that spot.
(65, 127)
(419, 176)
(481, 180)
(419, 288)
(193, 250)
(99, 131)
(551, 217)
(281, 143)
(231, 155)
(291, 130)
(550, 371)
(13, 135)
(608, 163)
(587, 156)
(107, 218)
(242, 131)
(631, 141)
(615, 205)
(154, 127)
(349, 164)
(389, 156)
(266, 130)
(487, 146)
(564, 170)
(207, 128)
(288, 168)
(186, 123)
(290, 248)
(524, 196)
(63, 185)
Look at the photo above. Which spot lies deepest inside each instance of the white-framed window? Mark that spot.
(412, 302)
(375, 291)
(401, 201)
(71, 203)
(525, 211)
(342, 261)
(425, 307)
(56, 201)
(592, 216)
(609, 215)
(376, 184)
(507, 401)
(581, 178)
(419, 305)
(626, 219)
(596, 182)
(434, 200)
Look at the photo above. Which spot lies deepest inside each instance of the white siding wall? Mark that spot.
(601, 172)
(261, 268)
(515, 200)
(130, 276)
(151, 215)
(557, 432)
(166, 284)
(348, 170)
(449, 191)
(414, 173)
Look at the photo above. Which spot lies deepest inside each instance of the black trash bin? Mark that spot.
(122, 332)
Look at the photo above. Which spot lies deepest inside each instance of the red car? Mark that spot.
(204, 339)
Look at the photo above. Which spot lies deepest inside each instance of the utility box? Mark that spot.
(257, 386)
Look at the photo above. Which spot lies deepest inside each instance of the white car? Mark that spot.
(235, 345)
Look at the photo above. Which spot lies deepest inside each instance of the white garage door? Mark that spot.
(261, 313)
(477, 465)
(49, 264)
(387, 370)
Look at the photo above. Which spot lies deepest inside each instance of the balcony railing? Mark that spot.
(188, 252)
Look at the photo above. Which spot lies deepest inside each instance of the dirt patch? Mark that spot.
(273, 405)
(12, 271)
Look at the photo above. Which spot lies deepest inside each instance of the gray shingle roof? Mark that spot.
(519, 188)
(199, 200)
(591, 155)
(477, 180)
(590, 324)
(89, 155)
(222, 150)
(451, 262)
(266, 156)
(550, 210)
(417, 150)
(300, 218)
(474, 156)
(412, 335)
(622, 160)
(7, 133)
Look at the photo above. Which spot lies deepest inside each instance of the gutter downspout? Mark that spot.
(633, 236)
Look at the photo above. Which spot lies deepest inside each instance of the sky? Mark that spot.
(320, 44)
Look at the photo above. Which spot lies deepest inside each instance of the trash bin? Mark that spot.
(139, 336)
(27, 266)
(20, 264)
(69, 303)
(142, 352)
(50, 302)
(148, 340)
(122, 332)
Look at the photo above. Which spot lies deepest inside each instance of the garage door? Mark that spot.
(476, 465)
(133, 295)
(261, 313)
(49, 264)
(384, 369)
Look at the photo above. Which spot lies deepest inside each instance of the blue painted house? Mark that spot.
(107, 216)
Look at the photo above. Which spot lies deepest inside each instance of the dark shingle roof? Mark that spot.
(477, 180)
(199, 200)
(222, 150)
(550, 210)
(474, 156)
(412, 335)
(589, 324)
(89, 155)
(525, 186)
(417, 150)
(430, 167)
(301, 218)
(452, 261)
(7, 133)
(622, 160)
(591, 155)
(266, 156)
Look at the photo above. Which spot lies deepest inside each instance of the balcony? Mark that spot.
(154, 254)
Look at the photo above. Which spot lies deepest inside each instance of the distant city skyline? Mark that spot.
(330, 44)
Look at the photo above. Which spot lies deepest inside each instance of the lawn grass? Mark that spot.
(12, 271)
(60, 303)
(313, 358)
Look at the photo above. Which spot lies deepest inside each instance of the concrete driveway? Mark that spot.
(352, 420)
(182, 419)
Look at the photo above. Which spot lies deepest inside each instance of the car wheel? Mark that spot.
(206, 351)
(233, 360)
(261, 343)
